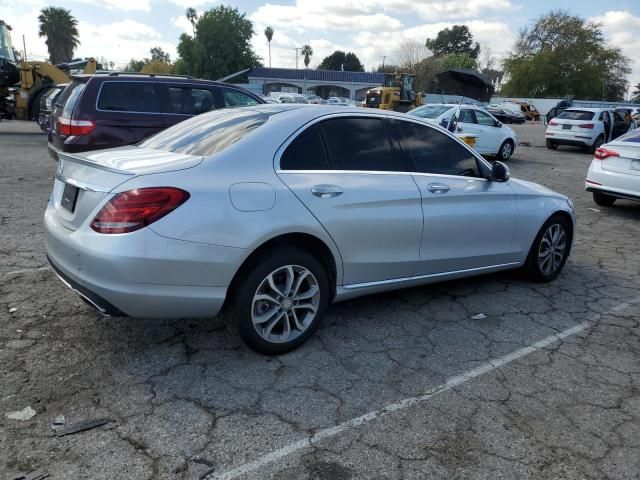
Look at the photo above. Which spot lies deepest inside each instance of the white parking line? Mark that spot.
(27, 270)
(409, 402)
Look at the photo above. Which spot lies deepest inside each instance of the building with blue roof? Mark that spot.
(324, 83)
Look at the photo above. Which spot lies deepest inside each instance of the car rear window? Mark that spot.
(129, 97)
(633, 137)
(69, 97)
(576, 115)
(208, 133)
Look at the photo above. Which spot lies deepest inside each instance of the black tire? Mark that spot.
(532, 268)
(35, 104)
(551, 145)
(238, 312)
(502, 152)
(603, 199)
(596, 144)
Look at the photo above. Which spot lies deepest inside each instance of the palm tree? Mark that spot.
(307, 52)
(192, 16)
(61, 30)
(268, 32)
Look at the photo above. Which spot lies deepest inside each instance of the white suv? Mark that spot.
(585, 127)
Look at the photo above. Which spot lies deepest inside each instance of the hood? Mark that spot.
(525, 186)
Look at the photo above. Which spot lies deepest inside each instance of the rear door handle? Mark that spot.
(438, 188)
(326, 191)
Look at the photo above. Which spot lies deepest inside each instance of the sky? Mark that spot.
(118, 30)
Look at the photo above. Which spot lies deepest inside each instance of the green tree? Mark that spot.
(134, 65)
(61, 30)
(221, 45)
(455, 40)
(339, 60)
(458, 60)
(159, 55)
(192, 16)
(268, 32)
(563, 54)
(156, 66)
(306, 52)
(635, 96)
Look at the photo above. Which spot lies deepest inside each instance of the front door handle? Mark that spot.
(326, 191)
(438, 188)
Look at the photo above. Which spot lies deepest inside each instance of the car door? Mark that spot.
(233, 97)
(347, 171)
(186, 101)
(491, 135)
(469, 221)
(467, 124)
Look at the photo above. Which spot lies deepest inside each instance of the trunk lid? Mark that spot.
(628, 162)
(84, 181)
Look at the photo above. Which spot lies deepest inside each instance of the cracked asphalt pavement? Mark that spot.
(529, 392)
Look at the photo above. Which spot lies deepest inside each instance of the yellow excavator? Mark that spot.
(396, 94)
(22, 85)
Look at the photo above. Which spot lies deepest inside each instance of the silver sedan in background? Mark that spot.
(269, 213)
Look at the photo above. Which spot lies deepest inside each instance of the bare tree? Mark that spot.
(409, 54)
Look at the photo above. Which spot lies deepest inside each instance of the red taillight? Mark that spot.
(552, 123)
(67, 126)
(604, 153)
(132, 210)
(586, 125)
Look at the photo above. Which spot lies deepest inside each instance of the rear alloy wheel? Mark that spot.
(550, 250)
(596, 144)
(506, 150)
(603, 199)
(551, 145)
(281, 302)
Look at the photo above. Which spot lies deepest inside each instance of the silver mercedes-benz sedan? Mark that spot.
(270, 213)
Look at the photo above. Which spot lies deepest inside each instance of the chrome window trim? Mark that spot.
(418, 120)
(425, 277)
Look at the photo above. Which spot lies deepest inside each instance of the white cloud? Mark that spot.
(192, 3)
(124, 5)
(620, 28)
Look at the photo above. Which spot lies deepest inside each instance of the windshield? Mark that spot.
(207, 133)
(576, 115)
(430, 111)
(6, 49)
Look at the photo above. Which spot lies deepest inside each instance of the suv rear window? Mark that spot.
(69, 97)
(129, 97)
(576, 115)
(208, 133)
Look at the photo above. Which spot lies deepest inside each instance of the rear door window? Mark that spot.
(306, 152)
(576, 115)
(69, 97)
(434, 152)
(139, 97)
(484, 119)
(360, 144)
(236, 98)
(467, 116)
(190, 100)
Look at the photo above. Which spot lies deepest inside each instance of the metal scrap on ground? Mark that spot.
(80, 426)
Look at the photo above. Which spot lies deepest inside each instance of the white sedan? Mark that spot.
(493, 138)
(615, 170)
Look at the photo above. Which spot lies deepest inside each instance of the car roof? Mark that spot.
(138, 77)
(586, 109)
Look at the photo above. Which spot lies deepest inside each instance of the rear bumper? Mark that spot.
(613, 193)
(616, 184)
(143, 275)
(561, 138)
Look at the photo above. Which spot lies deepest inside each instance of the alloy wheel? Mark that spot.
(553, 247)
(285, 304)
(506, 151)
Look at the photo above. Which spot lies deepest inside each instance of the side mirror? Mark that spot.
(498, 123)
(499, 172)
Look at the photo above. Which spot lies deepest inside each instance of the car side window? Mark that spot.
(434, 152)
(129, 97)
(190, 100)
(601, 117)
(360, 144)
(236, 98)
(484, 119)
(466, 116)
(306, 152)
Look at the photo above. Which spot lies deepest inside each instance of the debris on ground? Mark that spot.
(479, 316)
(58, 421)
(32, 475)
(25, 414)
(81, 426)
(593, 209)
(12, 309)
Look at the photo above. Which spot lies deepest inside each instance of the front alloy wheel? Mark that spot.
(285, 304)
(550, 250)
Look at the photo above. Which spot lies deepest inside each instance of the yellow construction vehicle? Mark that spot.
(396, 94)
(21, 86)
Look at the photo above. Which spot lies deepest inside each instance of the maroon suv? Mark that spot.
(115, 109)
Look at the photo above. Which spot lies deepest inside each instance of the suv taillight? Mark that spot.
(604, 153)
(135, 209)
(68, 126)
(586, 125)
(552, 123)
